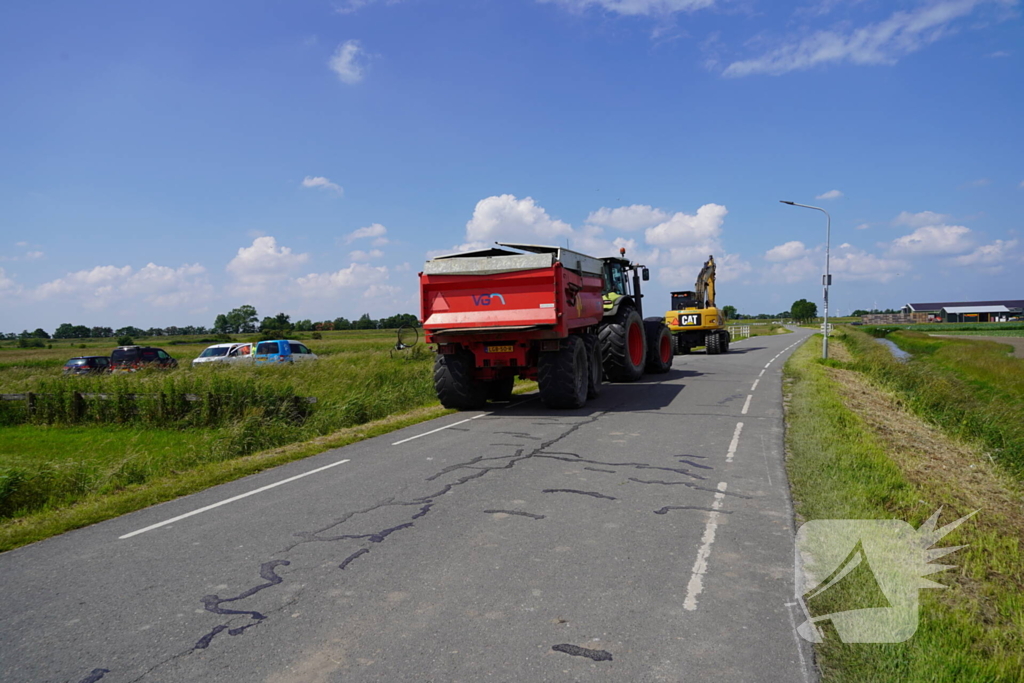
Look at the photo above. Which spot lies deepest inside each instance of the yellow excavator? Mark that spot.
(694, 320)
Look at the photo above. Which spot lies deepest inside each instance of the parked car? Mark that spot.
(225, 353)
(131, 358)
(87, 365)
(282, 351)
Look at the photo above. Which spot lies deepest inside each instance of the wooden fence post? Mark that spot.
(77, 406)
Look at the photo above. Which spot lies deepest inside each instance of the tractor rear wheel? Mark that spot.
(454, 382)
(659, 346)
(596, 372)
(500, 390)
(563, 375)
(623, 351)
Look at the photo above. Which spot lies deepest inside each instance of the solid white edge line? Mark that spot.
(734, 444)
(435, 431)
(232, 499)
(700, 565)
(746, 404)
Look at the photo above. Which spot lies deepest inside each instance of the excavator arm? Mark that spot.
(705, 285)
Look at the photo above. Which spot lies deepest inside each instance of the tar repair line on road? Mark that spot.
(232, 499)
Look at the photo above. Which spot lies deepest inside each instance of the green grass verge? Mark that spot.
(839, 469)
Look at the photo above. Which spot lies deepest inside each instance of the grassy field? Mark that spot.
(58, 458)
(860, 446)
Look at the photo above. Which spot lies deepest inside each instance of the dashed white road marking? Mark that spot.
(232, 499)
(435, 431)
(762, 372)
(700, 565)
(755, 384)
(735, 442)
(746, 404)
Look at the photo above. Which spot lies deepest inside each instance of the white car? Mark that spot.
(232, 352)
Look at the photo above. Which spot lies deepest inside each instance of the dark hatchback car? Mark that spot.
(131, 358)
(87, 365)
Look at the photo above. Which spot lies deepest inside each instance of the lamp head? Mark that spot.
(783, 201)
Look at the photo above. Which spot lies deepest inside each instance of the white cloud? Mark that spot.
(980, 182)
(353, 6)
(7, 284)
(360, 255)
(381, 291)
(258, 266)
(851, 263)
(635, 217)
(787, 251)
(987, 254)
(103, 286)
(329, 284)
(1021, 186)
(636, 7)
(831, 194)
(921, 219)
(322, 183)
(863, 226)
(884, 42)
(21, 244)
(509, 219)
(998, 53)
(375, 230)
(33, 255)
(686, 230)
(932, 239)
(795, 270)
(349, 62)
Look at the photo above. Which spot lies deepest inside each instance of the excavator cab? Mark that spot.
(684, 300)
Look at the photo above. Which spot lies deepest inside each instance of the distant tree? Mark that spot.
(239, 320)
(172, 331)
(324, 326)
(859, 312)
(129, 331)
(101, 332)
(279, 323)
(804, 309)
(155, 332)
(40, 333)
(342, 324)
(80, 331)
(31, 343)
(365, 322)
(729, 311)
(125, 340)
(65, 331)
(304, 326)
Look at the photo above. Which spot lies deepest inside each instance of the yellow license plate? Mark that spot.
(500, 349)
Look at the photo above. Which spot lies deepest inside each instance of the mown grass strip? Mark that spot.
(841, 467)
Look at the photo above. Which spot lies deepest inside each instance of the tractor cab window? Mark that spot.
(614, 278)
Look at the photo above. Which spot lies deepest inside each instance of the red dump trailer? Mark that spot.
(535, 312)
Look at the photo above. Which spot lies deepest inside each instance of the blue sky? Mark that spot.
(162, 163)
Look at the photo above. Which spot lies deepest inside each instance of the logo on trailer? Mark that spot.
(486, 299)
(690, 319)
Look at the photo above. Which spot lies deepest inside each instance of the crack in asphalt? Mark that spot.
(514, 512)
(692, 486)
(597, 469)
(213, 603)
(637, 465)
(582, 493)
(664, 510)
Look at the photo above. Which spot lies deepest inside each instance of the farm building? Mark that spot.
(964, 311)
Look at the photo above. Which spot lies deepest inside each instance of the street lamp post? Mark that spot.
(827, 279)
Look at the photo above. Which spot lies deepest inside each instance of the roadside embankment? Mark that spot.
(869, 437)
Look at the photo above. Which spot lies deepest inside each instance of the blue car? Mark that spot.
(281, 351)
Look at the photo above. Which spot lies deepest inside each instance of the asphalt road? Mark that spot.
(650, 533)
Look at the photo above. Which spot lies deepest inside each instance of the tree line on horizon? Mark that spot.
(241, 320)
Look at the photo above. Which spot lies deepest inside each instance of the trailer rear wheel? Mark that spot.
(500, 390)
(659, 346)
(596, 372)
(623, 351)
(454, 382)
(563, 375)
